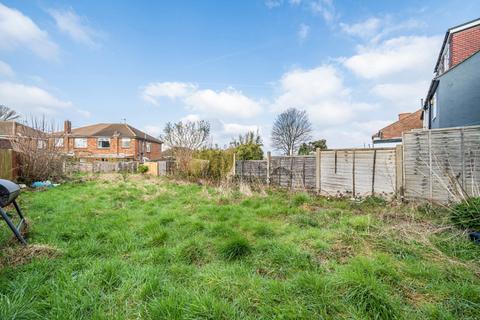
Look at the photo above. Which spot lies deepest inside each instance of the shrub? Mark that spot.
(142, 168)
(466, 214)
(218, 162)
(235, 248)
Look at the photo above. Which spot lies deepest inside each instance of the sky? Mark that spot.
(352, 65)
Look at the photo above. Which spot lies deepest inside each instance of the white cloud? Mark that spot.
(375, 29)
(353, 134)
(394, 56)
(294, 2)
(30, 99)
(402, 96)
(236, 129)
(226, 102)
(75, 26)
(19, 31)
(191, 118)
(6, 70)
(303, 32)
(153, 91)
(367, 28)
(325, 8)
(273, 3)
(230, 102)
(153, 130)
(319, 91)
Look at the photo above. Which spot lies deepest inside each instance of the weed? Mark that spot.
(235, 248)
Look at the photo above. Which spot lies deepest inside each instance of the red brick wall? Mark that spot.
(463, 44)
(133, 152)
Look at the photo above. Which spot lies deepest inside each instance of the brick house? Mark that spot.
(453, 98)
(392, 134)
(108, 142)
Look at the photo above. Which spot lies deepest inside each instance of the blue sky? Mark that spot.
(352, 65)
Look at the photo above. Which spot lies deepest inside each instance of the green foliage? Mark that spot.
(249, 146)
(142, 168)
(235, 248)
(466, 214)
(220, 162)
(249, 151)
(307, 148)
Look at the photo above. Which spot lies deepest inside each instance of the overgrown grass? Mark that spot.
(136, 247)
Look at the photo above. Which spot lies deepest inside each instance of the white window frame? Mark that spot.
(124, 144)
(78, 145)
(148, 147)
(434, 106)
(103, 139)
(41, 144)
(59, 142)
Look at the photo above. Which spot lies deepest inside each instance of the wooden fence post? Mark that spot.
(399, 170)
(318, 168)
(269, 159)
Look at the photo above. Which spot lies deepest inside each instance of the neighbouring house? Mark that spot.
(392, 134)
(453, 99)
(108, 142)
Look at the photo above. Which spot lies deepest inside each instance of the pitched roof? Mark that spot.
(111, 129)
(451, 30)
(406, 123)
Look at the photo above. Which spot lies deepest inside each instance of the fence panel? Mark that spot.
(342, 172)
(7, 164)
(440, 163)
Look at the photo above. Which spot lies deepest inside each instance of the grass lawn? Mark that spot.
(138, 248)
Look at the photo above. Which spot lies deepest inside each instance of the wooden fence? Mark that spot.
(358, 172)
(8, 164)
(436, 165)
(440, 163)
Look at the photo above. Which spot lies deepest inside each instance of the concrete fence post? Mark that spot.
(234, 169)
(269, 159)
(318, 172)
(399, 182)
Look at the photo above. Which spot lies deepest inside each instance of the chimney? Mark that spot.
(402, 116)
(67, 127)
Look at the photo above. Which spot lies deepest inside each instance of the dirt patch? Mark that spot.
(19, 255)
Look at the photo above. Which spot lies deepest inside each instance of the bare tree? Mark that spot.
(40, 153)
(290, 129)
(7, 114)
(184, 138)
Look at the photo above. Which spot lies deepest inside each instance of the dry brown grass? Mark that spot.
(20, 255)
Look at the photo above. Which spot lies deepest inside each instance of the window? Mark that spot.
(103, 143)
(125, 143)
(58, 142)
(434, 107)
(149, 147)
(41, 144)
(80, 143)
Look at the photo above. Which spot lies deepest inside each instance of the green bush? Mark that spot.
(467, 214)
(142, 168)
(235, 248)
(219, 163)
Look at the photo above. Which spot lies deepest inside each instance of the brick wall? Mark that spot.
(132, 152)
(464, 44)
